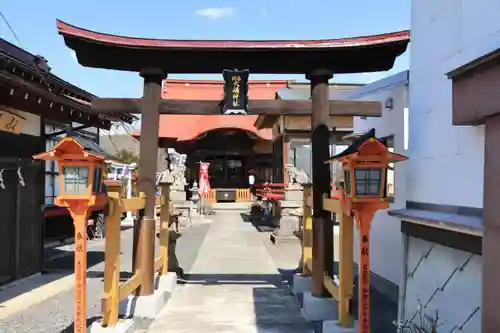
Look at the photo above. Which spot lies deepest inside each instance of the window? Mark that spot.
(367, 181)
(97, 180)
(76, 180)
(51, 168)
(388, 141)
(347, 181)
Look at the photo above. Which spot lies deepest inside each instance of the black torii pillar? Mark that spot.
(320, 143)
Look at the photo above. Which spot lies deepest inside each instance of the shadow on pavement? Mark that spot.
(124, 276)
(71, 328)
(66, 262)
(383, 310)
(234, 279)
(54, 270)
(276, 310)
(258, 221)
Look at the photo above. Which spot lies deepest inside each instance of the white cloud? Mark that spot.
(215, 13)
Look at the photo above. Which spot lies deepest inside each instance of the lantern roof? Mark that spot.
(69, 147)
(367, 144)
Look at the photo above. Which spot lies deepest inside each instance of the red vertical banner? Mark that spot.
(204, 183)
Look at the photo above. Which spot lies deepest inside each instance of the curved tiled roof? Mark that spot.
(189, 127)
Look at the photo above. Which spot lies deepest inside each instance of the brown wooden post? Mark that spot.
(165, 226)
(286, 148)
(150, 121)
(307, 230)
(112, 255)
(491, 233)
(346, 269)
(320, 142)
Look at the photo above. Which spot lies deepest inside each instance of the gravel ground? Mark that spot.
(55, 315)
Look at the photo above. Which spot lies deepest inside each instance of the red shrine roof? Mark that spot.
(189, 127)
(342, 55)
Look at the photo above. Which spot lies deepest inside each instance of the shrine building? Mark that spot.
(239, 145)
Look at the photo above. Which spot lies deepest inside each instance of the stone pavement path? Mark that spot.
(233, 286)
(55, 313)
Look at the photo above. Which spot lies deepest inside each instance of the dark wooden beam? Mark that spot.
(263, 107)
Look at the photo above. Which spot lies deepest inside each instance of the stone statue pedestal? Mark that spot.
(178, 195)
(288, 222)
(294, 194)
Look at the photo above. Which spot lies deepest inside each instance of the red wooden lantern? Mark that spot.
(81, 190)
(364, 165)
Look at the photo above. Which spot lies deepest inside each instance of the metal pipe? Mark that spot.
(402, 285)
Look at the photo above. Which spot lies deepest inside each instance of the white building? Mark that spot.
(387, 242)
(439, 192)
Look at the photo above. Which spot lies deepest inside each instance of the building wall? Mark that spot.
(386, 239)
(445, 35)
(446, 162)
(32, 125)
(213, 89)
(443, 279)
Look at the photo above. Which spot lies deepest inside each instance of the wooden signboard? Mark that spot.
(11, 122)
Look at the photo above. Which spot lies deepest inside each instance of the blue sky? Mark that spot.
(34, 23)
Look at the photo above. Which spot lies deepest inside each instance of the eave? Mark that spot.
(30, 88)
(475, 87)
(345, 55)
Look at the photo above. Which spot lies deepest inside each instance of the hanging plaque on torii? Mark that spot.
(235, 91)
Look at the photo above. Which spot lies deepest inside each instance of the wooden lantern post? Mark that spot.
(364, 165)
(80, 181)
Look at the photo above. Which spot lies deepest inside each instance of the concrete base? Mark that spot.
(127, 222)
(167, 283)
(319, 309)
(287, 226)
(332, 326)
(301, 284)
(123, 326)
(277, 239)
(178, 196)
(144, 306)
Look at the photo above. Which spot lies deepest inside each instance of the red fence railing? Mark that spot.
(270, 191)
(277, 191)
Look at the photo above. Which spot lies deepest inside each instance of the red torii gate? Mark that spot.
(155, 58)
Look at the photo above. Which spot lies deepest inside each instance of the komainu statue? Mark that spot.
(175, 174)
(296, 177)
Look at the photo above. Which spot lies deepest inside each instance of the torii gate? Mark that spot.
(155, 58)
